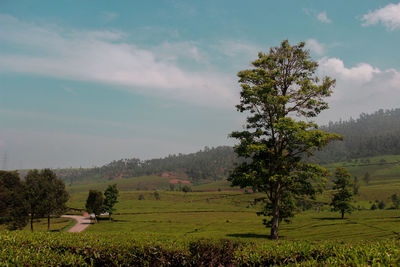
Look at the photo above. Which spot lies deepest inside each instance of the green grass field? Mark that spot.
(216, 210)
(56, 225)
(175, 225)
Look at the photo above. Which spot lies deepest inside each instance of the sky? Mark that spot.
(83, 83)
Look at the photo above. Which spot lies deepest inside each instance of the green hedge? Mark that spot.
(86, 249)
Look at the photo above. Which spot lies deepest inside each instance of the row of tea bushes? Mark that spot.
(121, 249)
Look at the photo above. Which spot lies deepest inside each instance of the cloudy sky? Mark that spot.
(85, 82)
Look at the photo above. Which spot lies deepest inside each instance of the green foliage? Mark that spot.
(186, 188)
(13, 205)
(369, 135)
(395, 200)
(343, 196)
(282, 85)
(209, 164)
(63, 249)
(110, 199)
(157, 195)
(381, 205)
(94, 202)
(56, 196)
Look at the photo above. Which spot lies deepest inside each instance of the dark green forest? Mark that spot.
(369, 135)
(209, 164)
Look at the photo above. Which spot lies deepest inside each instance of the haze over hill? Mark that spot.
(369, 135)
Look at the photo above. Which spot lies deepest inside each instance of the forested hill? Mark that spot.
(370, 135)
(209, 164)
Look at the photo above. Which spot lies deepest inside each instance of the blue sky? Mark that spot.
(85, 82)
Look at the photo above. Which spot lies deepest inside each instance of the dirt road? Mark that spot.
(82, 222)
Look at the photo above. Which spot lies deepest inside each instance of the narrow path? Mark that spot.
(82, 222)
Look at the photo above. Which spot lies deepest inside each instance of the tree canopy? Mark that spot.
(13, 204)
(343, 195)
(94, 202)
(45, 193)
(281, 94)
(110, 199)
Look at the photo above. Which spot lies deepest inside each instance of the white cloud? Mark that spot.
(323, 17)
(315, 46)
(388, 16)
(362, 88)
(105, 57)
(109, 16)
(361, 73)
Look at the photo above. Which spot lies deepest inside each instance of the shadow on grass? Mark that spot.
(330, 219)
(249, 235)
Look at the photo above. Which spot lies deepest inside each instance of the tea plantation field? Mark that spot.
(216, 225)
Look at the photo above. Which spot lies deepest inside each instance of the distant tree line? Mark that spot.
(40, 195)
(210, 164)
(369, 135)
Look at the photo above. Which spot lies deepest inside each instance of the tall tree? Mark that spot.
(56, 195)
(343, 195)
(37, 193)
(110, 199)
(13, 205)
(94, 202)
(281, 86)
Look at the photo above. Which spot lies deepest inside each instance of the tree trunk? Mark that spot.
(275, 220)
(48, 222)
(342, 214)
(31, 222)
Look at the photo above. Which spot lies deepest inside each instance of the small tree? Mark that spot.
(94, 202)
(343, 196)
(13, 205)
(281, 94)
(381, 205)
(367, 177)
(110, 199)
(356, 185)
(157, 195)
(395, 200)
(186, 188)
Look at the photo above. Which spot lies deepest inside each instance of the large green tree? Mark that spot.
(94, 202)
(13, 205)
(281, 94)
(36, 194)
(110, 199)
(56, 196)
(343, 195)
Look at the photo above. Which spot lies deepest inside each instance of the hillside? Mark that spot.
(210, 164)
(369, 135)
